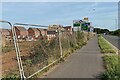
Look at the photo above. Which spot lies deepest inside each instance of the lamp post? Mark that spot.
(16, 49)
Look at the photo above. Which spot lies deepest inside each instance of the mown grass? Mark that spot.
(105, 46)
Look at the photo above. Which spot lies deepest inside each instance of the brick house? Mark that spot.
(68, 28)
(43, 32)
(51, 34)
(21, 32)
(34, 33)
(6, 32)
(6, 36)
(55, 27)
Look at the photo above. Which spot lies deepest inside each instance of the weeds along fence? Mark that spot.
(37, 54)
(44, 52)
(8, 55)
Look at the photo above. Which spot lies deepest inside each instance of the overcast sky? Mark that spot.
(101, 14)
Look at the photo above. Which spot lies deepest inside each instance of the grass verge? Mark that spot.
(112, 67)
(105, 46)
(111, 61)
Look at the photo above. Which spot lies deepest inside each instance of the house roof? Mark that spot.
(34, 29)
(67, 27)
(5, 30)
(20, 28)
(41, 29)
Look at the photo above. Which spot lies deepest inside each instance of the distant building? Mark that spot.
(91, 29)
(6, 32)
(6, 36)
(68, 29)
(54, 27)
(43, 32)
(21, 32)
(33, 32)
(51, 34)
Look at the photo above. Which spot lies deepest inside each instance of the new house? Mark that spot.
(34, 33)
(42, 31)
(21, 32)
(51, 34)
(6, 36)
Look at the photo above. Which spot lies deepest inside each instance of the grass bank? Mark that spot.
(112, 67)
(45, 54)
(105, 46)
(111, 60)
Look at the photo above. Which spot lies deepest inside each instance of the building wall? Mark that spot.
(5, 33)
(44, 32)
(30, 32)
(23, 33)
(33, 33)
(37, 33)
(17, 32)
(50, 36)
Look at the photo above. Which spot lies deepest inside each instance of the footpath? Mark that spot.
(84, 63)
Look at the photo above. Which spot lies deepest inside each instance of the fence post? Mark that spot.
(61, 53)
(1, 53)
(16, 49)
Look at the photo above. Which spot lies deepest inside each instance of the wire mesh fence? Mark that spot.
(42, 53)
(8, 54)
(38, 51)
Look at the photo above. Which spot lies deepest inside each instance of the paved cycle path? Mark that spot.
(84, 63)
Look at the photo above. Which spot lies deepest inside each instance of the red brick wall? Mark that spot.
(30, 32)
(21, 33)
(17, 31)
(43, 32)
(33, 33)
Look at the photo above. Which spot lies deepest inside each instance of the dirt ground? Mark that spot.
(9, 59)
